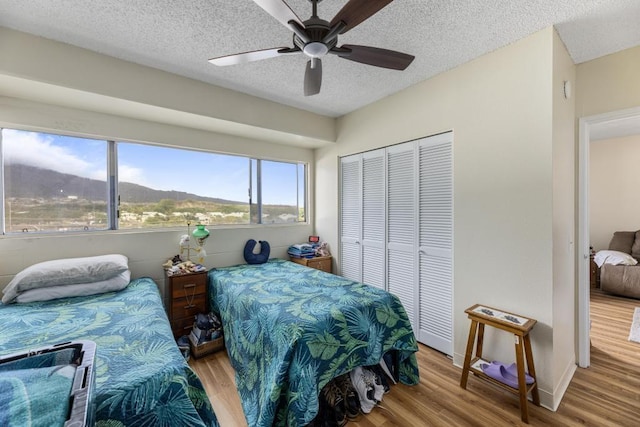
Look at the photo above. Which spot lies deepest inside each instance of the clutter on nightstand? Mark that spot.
(315, 248)
(175, 266)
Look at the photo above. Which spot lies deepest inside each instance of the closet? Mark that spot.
(396, 229)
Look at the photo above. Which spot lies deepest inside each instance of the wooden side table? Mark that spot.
(188, 297)
(319, 263)
(520, 327)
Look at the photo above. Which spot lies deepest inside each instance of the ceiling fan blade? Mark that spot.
(255, 55)
(313, 77)
(357, 11)
(279, 10)
(377, 57)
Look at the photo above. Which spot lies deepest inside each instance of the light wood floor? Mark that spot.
(605, 394)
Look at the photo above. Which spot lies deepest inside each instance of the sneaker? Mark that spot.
(362, 388)
(350, 396)
(373, 385)
(381, 377)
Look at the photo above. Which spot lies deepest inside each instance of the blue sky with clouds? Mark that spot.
(161, 168)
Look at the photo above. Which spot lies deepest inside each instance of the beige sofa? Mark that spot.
(623, 279)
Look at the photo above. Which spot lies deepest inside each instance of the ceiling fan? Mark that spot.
(316, 37)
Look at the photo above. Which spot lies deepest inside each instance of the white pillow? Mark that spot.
(614, 258)
(79, 289)
(68, 271)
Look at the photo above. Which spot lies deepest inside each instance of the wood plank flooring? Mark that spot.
(605, 394)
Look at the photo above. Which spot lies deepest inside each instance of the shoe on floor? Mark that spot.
(334, 404)
(381, 377)
(373, 383)
(350, 396)
(363, 389)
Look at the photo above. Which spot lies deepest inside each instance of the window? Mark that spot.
(164, 187)
(53, 182)
(58, 183)
(277, 192)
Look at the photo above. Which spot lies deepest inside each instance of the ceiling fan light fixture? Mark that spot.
(315, 49)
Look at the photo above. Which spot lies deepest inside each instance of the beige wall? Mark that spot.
(564, 223)
(614, 198)
(609, 83)
(500, 109)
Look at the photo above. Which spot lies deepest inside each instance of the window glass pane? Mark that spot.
(280, 192)
(165, 187)
(53, 182)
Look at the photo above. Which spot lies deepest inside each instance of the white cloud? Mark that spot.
(39, 150)
(131, 174)
(34, 149)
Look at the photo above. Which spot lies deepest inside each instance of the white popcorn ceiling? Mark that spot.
(179, 36)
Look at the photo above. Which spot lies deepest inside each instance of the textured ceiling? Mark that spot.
(179, 36)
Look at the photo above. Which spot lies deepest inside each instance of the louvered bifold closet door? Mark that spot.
(401, 226)
(373, 218)
(436, 242)
(350, 216)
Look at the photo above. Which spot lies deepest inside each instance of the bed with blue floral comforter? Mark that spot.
(290, 329)
(141, 377)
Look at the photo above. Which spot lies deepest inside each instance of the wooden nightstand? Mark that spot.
(188, 297)
(319, 263)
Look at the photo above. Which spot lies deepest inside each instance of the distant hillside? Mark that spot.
(47, 184)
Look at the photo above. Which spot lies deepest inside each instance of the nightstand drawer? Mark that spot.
(184, 307)
(187, 286)
(322, 263)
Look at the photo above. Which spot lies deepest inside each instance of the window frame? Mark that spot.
(113, 195)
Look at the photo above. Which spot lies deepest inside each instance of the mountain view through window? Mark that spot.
(56, 183)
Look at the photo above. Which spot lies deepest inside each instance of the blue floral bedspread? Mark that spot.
(290, 329)
(141, 377)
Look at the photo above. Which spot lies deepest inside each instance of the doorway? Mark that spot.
(616, 123)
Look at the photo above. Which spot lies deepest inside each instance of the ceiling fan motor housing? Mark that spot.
(316, 30)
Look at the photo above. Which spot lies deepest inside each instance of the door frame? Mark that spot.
(583, 295)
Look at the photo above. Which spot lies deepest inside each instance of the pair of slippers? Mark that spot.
(505, 374)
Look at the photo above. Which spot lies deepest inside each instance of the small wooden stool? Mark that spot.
(520, 327)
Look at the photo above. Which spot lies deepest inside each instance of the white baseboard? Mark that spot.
(563, 384)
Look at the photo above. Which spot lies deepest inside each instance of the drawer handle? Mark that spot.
(189, 306)
(187, 327)
(191, 295)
